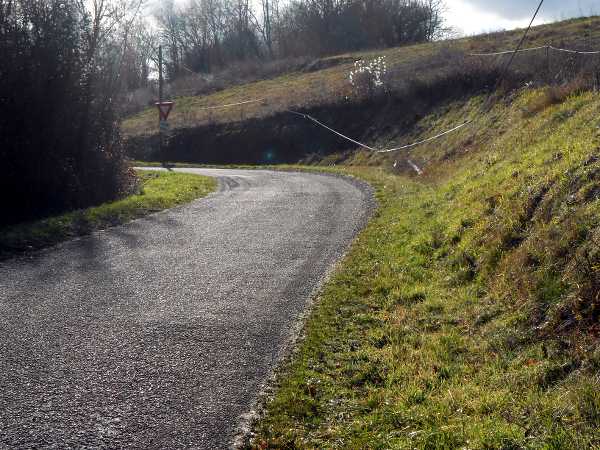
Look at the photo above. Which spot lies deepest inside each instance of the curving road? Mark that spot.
(160, 333)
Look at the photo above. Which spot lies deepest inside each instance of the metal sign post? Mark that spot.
(164, 108)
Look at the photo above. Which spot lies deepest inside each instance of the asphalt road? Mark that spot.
(160, 333)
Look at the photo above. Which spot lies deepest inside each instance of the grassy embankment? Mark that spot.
(466, 315)
(157, 191)
(322, 87)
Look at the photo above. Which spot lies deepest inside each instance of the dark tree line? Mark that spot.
(207, 35)
(60, 65)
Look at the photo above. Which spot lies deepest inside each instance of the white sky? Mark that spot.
(477, 16)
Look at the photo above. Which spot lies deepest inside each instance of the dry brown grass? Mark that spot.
(554, 95)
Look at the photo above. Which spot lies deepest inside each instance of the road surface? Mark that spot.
(160, 333)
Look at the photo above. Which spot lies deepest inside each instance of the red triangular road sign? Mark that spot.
(164, 109)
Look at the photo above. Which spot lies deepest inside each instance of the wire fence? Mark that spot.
(230, 105)
(509, 52)
(531, 49)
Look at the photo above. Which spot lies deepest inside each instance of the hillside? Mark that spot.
(310, 88)
(467, 314)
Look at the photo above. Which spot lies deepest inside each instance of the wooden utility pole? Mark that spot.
(549, 76)
(160, 75)
(160, 100)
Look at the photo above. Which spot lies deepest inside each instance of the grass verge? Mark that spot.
(466, 315)
(158, 191)
(183, 165)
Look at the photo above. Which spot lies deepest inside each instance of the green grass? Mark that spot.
(183, 165)
(466, 315)
(136, 163)
(157, 191)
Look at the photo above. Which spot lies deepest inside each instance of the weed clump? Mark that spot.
(556, 94)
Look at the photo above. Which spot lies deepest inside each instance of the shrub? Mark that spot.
(59, 141)
(556, 94)
(367, 77)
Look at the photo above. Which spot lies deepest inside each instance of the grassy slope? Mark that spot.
(315, 88)
(158, 191)
(466, 314)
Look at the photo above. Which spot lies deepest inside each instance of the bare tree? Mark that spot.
(267, 26)
(60, 69)
(207, 35)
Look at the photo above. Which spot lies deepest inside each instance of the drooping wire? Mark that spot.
(512, 57)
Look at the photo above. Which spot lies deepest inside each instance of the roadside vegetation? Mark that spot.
(466, 315)
(60, 145)
(155, 191)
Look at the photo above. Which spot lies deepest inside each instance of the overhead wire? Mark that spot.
(232, 104)
(512, 56)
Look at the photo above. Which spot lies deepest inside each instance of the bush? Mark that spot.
(556, 94)
(59, 141)
(367, 77)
